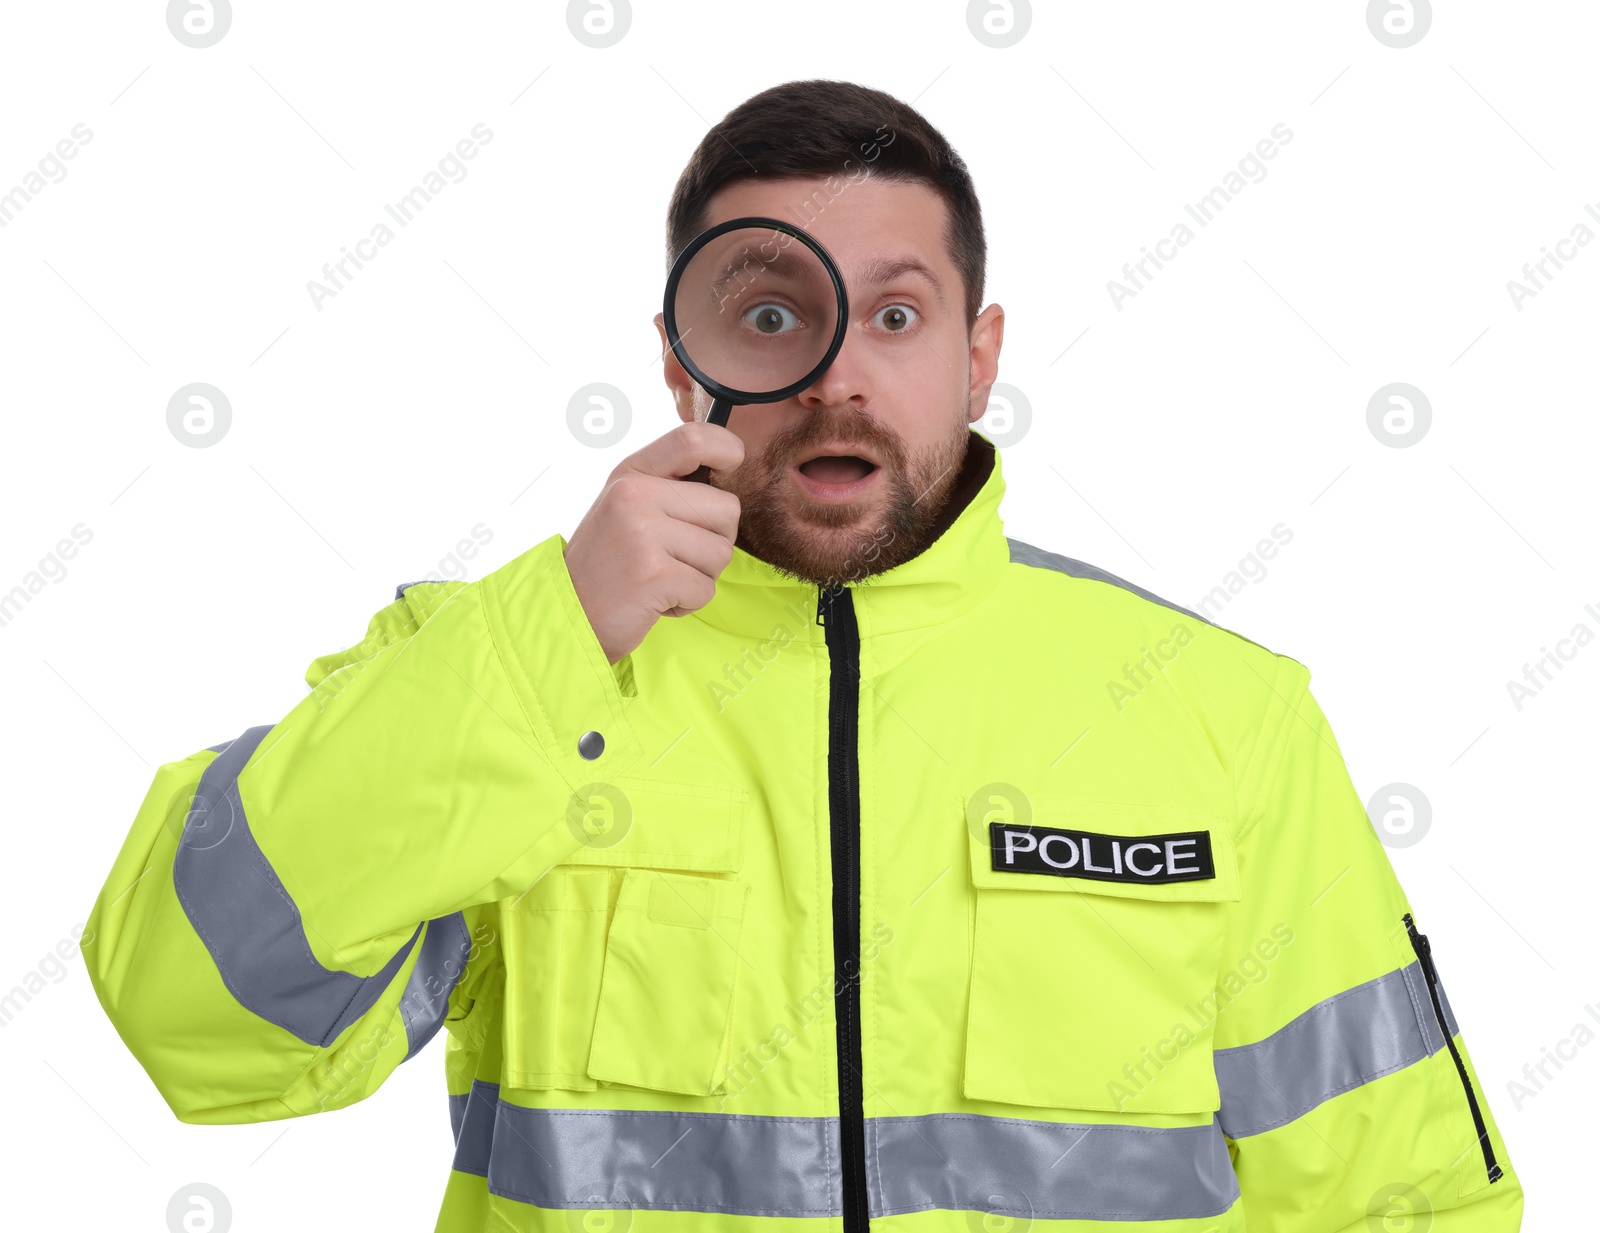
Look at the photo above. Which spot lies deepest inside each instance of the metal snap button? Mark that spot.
(591, 745)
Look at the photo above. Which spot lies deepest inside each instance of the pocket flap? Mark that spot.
(1115, 848)
(666, 993)
(659, 824)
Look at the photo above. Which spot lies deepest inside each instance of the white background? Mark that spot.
(430, 395)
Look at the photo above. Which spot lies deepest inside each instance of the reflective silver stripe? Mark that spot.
(472, 1124)
(1351, 1038)
(736, 1163)
(446, 947)
(788, 1166)
(248, 922)
(621, 1158)
(1047, 1170)
(458, 1113)
(1027, 554)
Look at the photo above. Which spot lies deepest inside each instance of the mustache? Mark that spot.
(785, 447)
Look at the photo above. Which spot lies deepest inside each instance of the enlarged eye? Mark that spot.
(771, 318)
(896, 318)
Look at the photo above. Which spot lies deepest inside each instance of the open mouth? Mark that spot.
(837, 468)
(837, 472)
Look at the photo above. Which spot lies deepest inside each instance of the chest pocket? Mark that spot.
(621, 962)
(1088, 993)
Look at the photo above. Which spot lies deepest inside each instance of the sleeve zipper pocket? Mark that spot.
(1419, 943)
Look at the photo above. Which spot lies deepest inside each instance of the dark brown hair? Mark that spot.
(831, 128)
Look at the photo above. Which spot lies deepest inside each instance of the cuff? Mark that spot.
(557, 668)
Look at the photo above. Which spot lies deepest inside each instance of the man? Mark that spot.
(908, 871)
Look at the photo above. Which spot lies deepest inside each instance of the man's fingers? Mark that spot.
(686, 447)
(700, 549)
(698, 505)
(688, 588)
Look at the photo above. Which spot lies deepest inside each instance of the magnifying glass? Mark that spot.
(755, 311)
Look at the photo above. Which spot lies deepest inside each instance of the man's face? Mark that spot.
(845, 478)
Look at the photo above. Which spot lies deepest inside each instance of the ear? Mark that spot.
(988, 331)
(683, 387)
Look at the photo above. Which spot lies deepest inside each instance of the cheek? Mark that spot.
(925, 385)
(757, 438)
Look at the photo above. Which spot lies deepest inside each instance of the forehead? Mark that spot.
(860, 222)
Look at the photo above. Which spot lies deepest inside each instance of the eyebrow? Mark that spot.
(874, 272)
(880, 270)
(785, 264)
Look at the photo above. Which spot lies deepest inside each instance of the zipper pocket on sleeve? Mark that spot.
(1419, 943)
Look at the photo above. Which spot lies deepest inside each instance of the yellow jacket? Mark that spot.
(993, 892)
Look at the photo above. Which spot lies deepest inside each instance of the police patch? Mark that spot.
(1182, 856)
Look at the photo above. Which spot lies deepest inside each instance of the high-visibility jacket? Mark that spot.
(993, 892)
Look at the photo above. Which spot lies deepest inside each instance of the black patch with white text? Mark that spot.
(1182, 856)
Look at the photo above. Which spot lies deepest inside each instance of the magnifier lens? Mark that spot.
(756, 309)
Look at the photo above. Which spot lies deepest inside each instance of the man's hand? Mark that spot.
(653, 545)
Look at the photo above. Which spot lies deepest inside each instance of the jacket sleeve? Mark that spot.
(1346, 1086)
(296, 911)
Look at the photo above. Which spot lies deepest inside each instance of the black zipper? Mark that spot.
(1419, 943)
(836, 612)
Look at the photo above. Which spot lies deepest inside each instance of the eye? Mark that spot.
(896, 318)
(771, 318)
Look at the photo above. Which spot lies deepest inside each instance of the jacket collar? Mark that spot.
(952, 574)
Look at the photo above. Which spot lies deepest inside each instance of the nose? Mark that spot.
(847, 380)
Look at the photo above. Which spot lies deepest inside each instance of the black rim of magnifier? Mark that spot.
(726, 393)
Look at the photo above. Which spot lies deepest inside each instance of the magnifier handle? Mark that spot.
(719, 415)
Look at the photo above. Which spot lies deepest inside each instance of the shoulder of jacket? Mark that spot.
(432, 587)
(415, 602)
(1114, 590)
(1251, 692)
(412, 605)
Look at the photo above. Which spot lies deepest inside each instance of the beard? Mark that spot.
(827, 545)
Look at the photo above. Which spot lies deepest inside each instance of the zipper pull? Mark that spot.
(824, 606)
(1419, 941)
